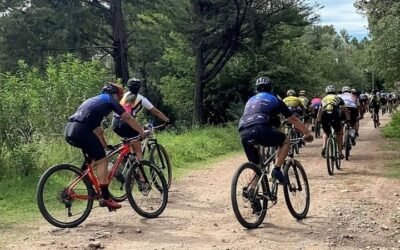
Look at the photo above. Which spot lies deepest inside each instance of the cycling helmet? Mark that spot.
(113, 88)
(353, 90)
(330, 89)
(263, 83)
(134, 85)
(290, 92)
(302, 92)
(346, 89)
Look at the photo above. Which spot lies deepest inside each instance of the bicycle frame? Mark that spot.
(123, 149)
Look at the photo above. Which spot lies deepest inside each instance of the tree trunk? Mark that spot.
(198, 111)
(120, 50)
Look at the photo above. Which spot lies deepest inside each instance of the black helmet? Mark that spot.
(134, 85)
(264, 83)
(113, 88)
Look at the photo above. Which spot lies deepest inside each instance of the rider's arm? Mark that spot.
(159, 114)
(298, 124)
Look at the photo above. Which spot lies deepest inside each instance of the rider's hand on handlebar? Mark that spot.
(308, 137)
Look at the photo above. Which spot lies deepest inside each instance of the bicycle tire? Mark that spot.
(347, 145)
(235, 194)
(330, 154)
(137, 190)
(161, 160)
(338, 161)
(295, 187)
(317, 130)
(45, 208)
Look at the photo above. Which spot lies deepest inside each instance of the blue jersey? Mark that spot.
(92, 111)
(261, 108)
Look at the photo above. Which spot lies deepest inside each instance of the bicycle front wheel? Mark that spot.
(330, 155)
(249, 204)
(297, 191)
(64, 198)
(159, 156)
(147, 189)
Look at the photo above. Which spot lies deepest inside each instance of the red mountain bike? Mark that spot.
(65, 193)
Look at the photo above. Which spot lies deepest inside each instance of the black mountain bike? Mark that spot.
(251, 185)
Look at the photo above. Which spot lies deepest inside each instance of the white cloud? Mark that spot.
(343, 15)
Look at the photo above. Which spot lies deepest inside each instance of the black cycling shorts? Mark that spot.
(123, 129)
(330, 119)
(353, 116)
(260, 134)
(80, 136)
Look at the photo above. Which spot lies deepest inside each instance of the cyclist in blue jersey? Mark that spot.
(255, 126)
(82, 129)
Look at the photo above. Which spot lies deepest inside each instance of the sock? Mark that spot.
(104, 191)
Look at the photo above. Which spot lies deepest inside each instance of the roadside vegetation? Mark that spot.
(392, 131)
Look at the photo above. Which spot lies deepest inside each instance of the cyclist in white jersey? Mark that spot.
(351, 104)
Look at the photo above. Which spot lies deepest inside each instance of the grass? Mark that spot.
(392, 131)
(189, 151)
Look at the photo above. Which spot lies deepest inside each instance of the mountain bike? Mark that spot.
(251, 184)
(157, 155)
(65, 193)
(157, 152)
(332, 152)
(375, 117)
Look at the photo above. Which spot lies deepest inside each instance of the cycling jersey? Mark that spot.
(349, 99)
(293, 103)
(331, 103)
(260, 109)
(305, 101)
(92, 111)
(315, 103)
(138, 104)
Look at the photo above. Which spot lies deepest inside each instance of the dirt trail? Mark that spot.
(357, 208)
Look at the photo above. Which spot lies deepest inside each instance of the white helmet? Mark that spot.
(346, 89)
(330, 88)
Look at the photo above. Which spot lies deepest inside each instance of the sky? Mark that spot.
(342, 14)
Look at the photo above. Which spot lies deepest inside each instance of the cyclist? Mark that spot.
(82, 127)
(363, 103)
(306, 104)
(314, 107)
(294, 103)
(375, 106)
(329, 116)
(133, 102)
(255, 126)
(351, 104)
(383, 102)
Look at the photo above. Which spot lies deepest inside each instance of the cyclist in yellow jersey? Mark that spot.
(306, 104)
(329, 115)
(293, 103)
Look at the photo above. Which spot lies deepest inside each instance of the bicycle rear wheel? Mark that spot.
(159, 156)
(317, 130)
(62, 203)
(347, 144)
(297, 191)
(147, 194)
(244, 199)
(330, 155)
